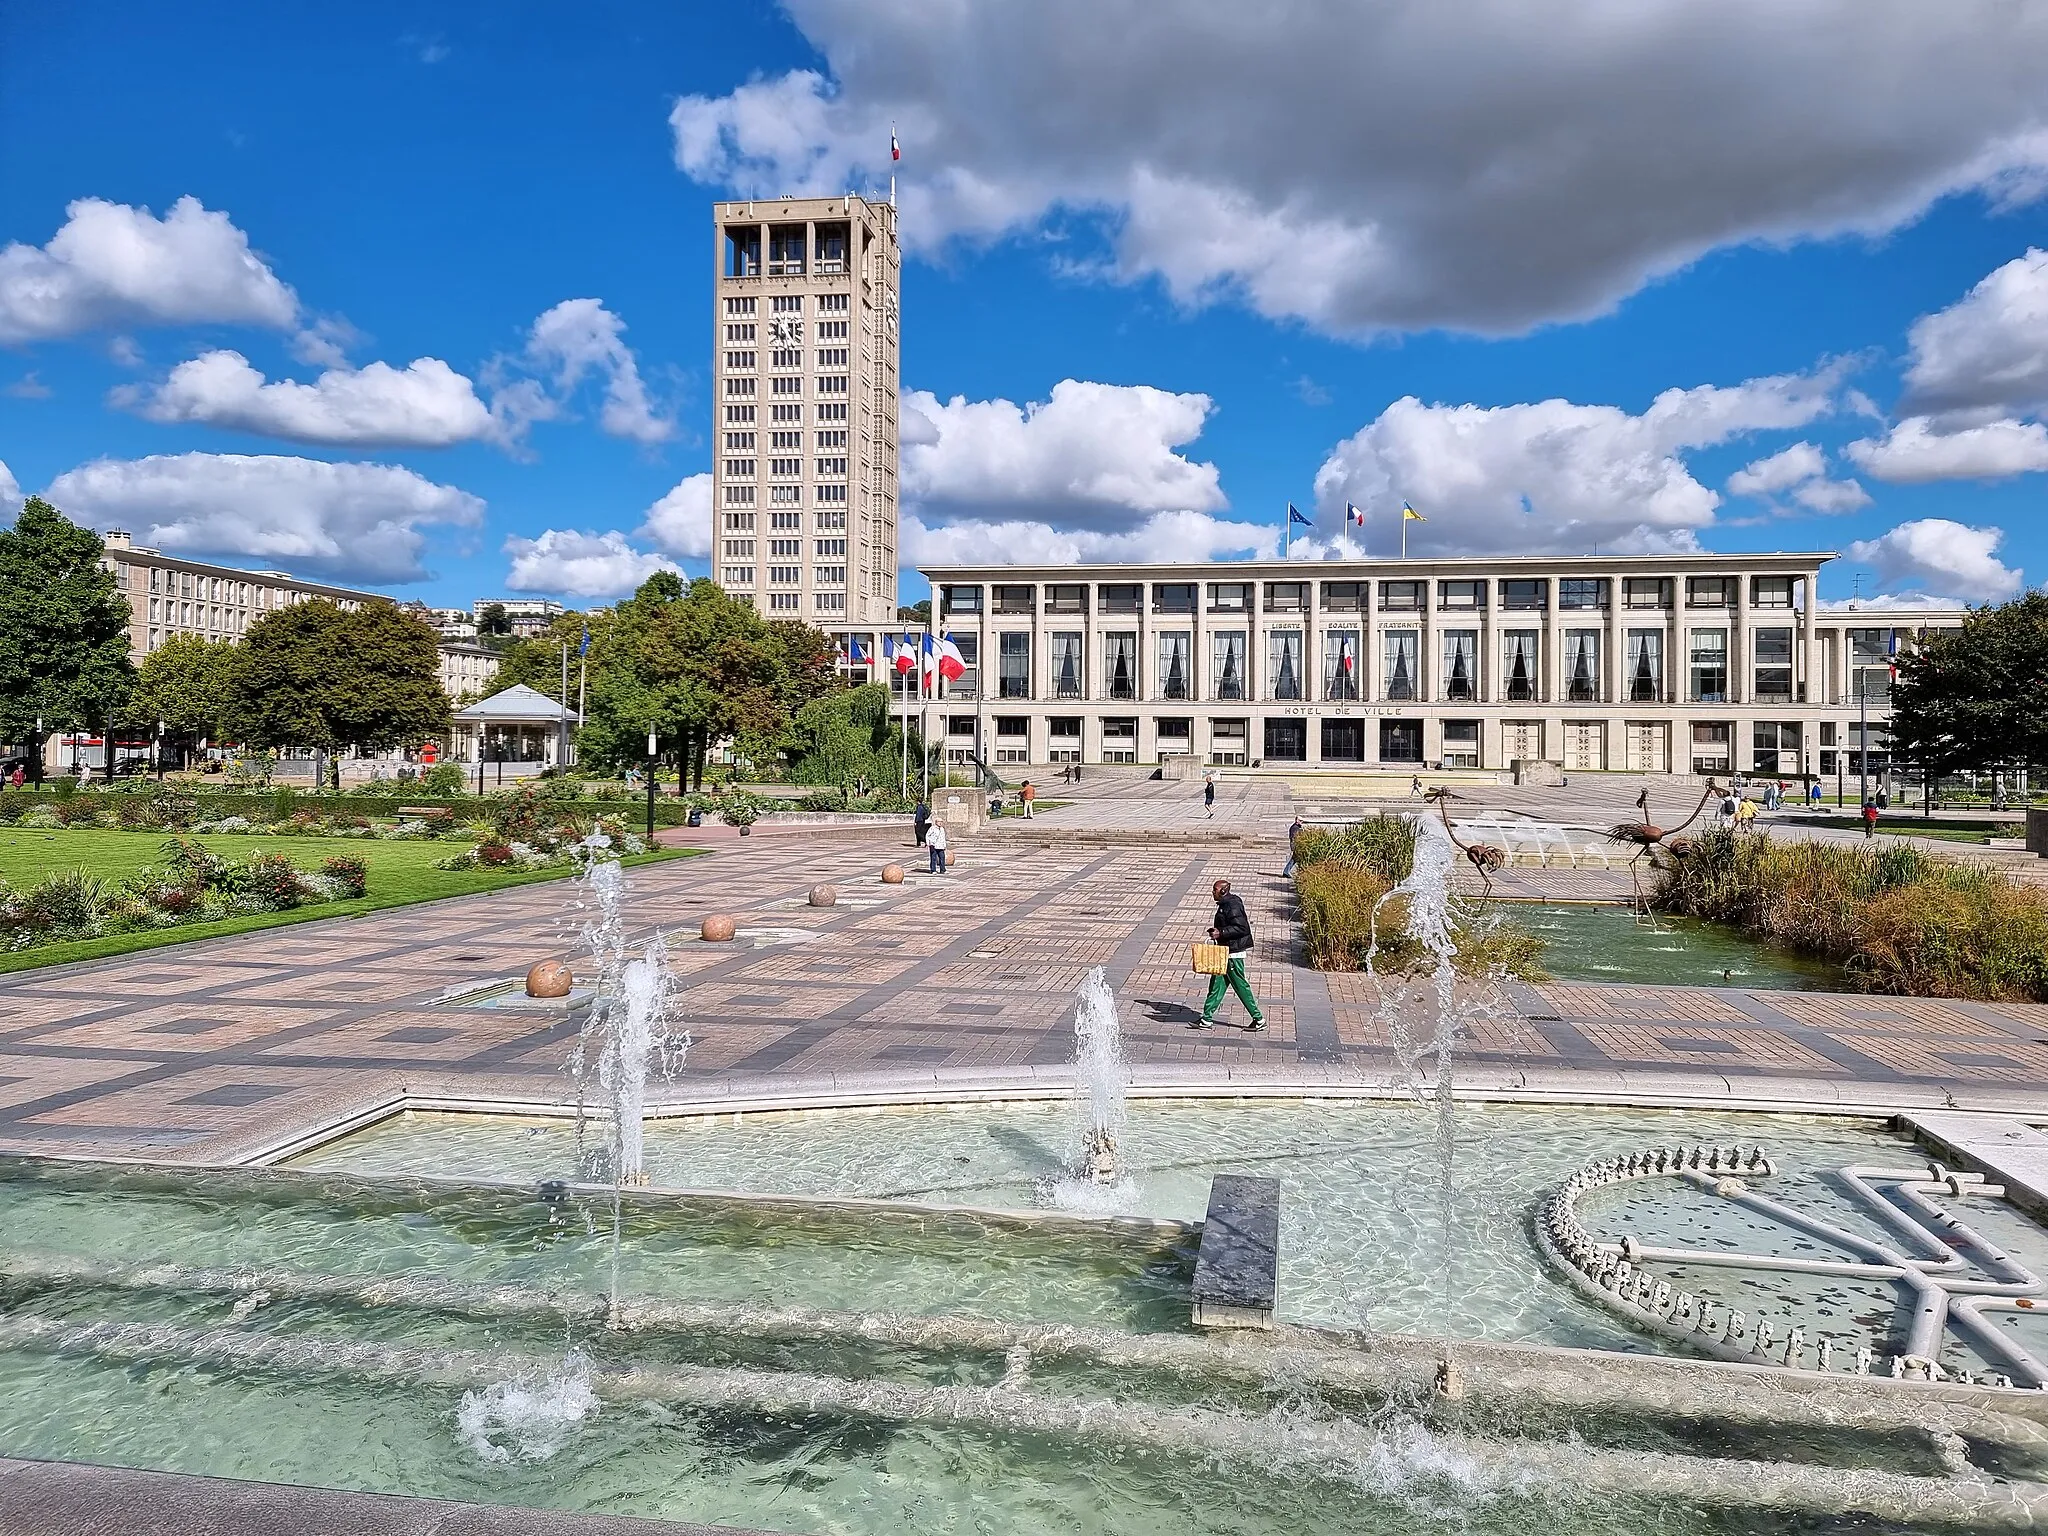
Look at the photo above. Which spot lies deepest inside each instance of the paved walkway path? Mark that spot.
(211, 1050)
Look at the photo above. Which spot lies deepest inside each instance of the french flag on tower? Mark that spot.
(895, 149)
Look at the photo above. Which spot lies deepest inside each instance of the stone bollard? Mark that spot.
(824, 896)
(718, 928)
(892, 874)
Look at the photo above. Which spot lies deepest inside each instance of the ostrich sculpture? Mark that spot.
(1646, 836)
(1484, 858)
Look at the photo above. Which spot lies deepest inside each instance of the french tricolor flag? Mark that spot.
(952, 665)
(903, 657)
(895, 149)
(1353, 518)
(858, 658)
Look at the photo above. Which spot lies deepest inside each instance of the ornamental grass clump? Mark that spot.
(1341, 878)
(1896, 919)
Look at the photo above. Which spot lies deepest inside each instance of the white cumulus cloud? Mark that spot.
(1987, 352)
(343, 522)
(1373, 164)
(1976, 386)
(680, 523)
(112, 264)
(1801, 469)
(10, 490)
(1914, 452)
(1552, 476)
(1947, 557)
(1177, 536)
(565, 563)
(1099, 453)
(424, 405)
(580, 337)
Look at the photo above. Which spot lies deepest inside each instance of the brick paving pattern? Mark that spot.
(206, 1051)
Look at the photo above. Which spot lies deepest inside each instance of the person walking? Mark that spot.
(1813, 794)
(1233, 930)
(1870, 818)
(1745, 814)
(1415, 786)
(1027, 794)
(1209, 795)
(1293, 839)
(920, 820)
(935, 841)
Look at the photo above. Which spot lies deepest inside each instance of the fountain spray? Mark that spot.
(624, 1034)
(1103, 1076)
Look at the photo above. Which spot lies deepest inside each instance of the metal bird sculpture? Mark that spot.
(1484, 858)
(1646, 836)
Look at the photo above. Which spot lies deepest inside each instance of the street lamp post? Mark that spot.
(36, 757)
(650, 788)
(157, 751)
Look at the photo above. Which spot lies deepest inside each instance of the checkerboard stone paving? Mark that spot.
(212, 1050)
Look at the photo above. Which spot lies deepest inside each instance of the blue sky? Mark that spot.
(436, 318)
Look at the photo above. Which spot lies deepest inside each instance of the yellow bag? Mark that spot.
(1211, 959)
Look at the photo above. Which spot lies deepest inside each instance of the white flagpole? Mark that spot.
(1404, 531)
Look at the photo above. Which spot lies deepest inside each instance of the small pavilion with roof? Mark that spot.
(519, 725)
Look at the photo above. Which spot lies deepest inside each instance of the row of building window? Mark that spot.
(779, 522)
(1508, 593)
(788, 304)
(1520, 668)
(787, 413)
(743, 469)
(1777, 748)
(785, 357)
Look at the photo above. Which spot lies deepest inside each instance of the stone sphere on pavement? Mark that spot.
(892, 874)
(719, 929)
(823, 895)
(551, 978)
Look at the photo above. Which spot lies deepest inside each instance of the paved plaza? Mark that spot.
(216, 1050)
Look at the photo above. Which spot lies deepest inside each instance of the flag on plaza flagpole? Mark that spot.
(895, 149)
(931, 663)
(1294, 517)
(584, 648)
(1354, 515)
(1410, 515)
(952, 665)
(857, 659)
(906, 654)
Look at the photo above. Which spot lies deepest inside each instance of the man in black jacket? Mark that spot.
(1233, 930)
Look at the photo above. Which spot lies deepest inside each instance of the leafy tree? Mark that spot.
(919, 614)
(537, 662)
(317, 675)
(1977, 697)
(844, 736)
(696, 660)
(185, 683)
(63, 627)
(494, 620)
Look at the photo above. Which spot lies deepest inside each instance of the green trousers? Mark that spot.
(1233, 979)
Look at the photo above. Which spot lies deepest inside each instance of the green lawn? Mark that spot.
(400, 873)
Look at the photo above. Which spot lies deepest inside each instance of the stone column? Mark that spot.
(1809, 641)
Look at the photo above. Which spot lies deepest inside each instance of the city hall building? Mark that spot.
(1705, 663)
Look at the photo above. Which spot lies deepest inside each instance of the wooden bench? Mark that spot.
(422, 812)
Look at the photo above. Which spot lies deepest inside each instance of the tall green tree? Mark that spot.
(317, 675)
(844, 736)
(63, 627)
(537, 662)
(1976, 697)
(185, 683)
(696, 660)
(493, 620)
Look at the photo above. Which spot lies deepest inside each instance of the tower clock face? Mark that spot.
(787, 329)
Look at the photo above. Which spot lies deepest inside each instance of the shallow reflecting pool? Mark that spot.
(1599, 942)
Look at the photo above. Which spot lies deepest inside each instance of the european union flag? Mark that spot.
(1294, 517)
(584, 648)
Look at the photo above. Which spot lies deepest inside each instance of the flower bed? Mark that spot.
(189, 885)
(531, 830)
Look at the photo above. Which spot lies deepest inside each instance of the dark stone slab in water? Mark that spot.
(59, 1498)
(1237, 1271)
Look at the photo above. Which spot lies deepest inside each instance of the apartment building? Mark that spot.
(530, 616)
(169, 595)
(805, 360)
(1674, 663)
